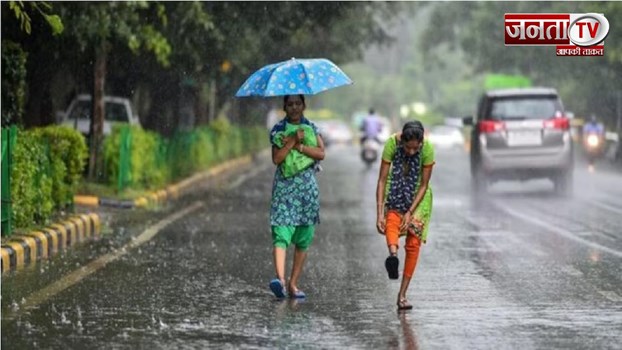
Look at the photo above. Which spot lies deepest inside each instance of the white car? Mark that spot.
(335, 131)
(78, 114)
(446, 137)
(386, 130)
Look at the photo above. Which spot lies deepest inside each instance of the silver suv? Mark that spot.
(521, 134)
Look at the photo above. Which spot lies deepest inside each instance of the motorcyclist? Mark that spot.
(371, 127)
(593, 139)
(593, 126)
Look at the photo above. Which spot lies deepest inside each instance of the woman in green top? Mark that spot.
(404, 200)
(295, 205)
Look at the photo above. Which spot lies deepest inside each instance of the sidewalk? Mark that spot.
(24, 249)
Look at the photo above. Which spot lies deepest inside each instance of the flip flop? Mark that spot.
(404, 305)
(277, 288)
(297, 294)
(392, 264)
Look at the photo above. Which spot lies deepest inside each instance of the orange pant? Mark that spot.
(392, 234)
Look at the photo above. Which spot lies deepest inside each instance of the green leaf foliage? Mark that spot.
(21, 14)
(55, 23)
(31, 186)
(586, 84)
(47, 168)
(146, 170)
(156, 161)
(13, 83)
(132, 24)
(67, 151)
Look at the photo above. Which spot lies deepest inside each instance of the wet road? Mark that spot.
(519, 268)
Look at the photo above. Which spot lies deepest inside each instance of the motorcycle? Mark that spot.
(593, 146)
(369, 151)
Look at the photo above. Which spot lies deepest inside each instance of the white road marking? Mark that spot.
(560, 231)
(515, 241)
(242, 178)
(76, 276)
(605, 206)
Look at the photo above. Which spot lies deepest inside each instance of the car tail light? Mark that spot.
(557, 123)
(488, 126)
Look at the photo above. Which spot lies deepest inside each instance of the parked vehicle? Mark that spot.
(521, 134)
(446, 137)
(335, 131)
(78, 114)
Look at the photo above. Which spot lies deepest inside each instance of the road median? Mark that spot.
(161, 196)
(25, 249)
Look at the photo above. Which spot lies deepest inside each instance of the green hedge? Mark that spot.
(67, 151)
(156, 161)
(146, 170)
(47, 167)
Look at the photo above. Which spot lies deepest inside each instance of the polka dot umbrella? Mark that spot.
(294, 77)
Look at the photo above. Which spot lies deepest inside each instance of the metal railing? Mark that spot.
(9, 136)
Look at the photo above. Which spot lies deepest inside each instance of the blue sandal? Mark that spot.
(277, 288)
(297, 294)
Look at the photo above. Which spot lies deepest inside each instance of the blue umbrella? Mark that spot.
(294, 77)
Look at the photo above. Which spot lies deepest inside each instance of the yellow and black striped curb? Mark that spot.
(170, 192)
(24, 249)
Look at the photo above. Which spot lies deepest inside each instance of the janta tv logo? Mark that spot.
(573, 34)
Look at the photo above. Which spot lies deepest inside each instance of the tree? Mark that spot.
(587, 84)
(21, 19)
(96, 28)
(217, 45)
(41, 7)
(210, 48)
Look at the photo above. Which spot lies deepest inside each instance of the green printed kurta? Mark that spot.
(295, 199)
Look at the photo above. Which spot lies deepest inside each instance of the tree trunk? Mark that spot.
(97, 122)
(38, 111)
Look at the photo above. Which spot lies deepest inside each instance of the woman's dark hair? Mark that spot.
(412, 131)
(286, 97)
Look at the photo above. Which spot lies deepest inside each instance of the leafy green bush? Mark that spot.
(145, 171)
(155, 160)
(47, 168)
(145, 166)
(31, 187)
(203, 151)
(178, 151)
(67, 152)
(222, 131)
(236, 142)
(112, 145)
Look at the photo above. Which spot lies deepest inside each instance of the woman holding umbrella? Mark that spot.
(404, 200)
(296, 150)
(295, 201)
